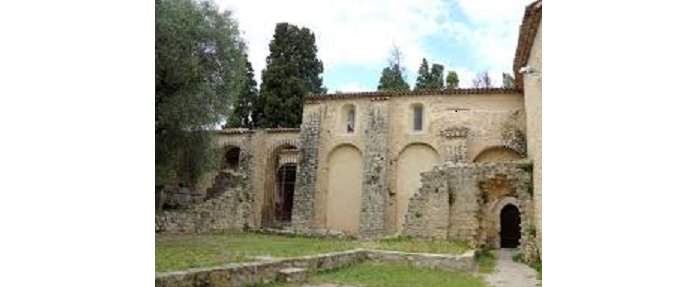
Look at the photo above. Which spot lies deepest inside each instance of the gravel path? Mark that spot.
(508, 273)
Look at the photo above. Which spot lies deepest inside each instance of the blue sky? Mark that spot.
(354, 37)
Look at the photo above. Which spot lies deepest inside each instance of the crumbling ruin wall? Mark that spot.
(231, 209)
(375, 185)
(427, 216)
(463, 202)
(305, 192)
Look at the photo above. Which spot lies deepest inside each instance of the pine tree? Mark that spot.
(452, 80)
(436, 77)
(243, 111)
(293, 70)
(423, 76)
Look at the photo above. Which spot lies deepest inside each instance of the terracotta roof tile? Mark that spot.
(249, 131)
(383, 95)
(527, 33)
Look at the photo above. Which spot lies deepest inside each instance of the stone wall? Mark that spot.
(457, 124)
(533, 94)
(245, 274)
(231, 198)
(229, 209)
(375, 192)
(304, 197)
(474, 195)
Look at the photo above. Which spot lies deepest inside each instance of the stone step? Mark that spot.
(292, 274)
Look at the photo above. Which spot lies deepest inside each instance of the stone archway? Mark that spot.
(496, 213)
(279, 186)
(510, 227)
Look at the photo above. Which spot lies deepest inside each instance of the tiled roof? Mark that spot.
(249, 131)
(527, 33)
(385, 94)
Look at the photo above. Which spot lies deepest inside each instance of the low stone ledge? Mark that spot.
(451, 262)
(243, 274)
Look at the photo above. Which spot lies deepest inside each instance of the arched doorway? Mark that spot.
(344, 187)
(412, 161)
(285, 186)
(279, 186)
(510, 226)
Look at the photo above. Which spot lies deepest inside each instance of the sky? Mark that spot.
(354, 37)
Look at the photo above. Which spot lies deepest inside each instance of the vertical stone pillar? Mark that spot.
(375, 185)
(304, 194)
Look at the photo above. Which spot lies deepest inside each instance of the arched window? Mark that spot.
(417, 117)
(348, 122)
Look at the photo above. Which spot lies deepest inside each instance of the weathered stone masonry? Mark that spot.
(463, 201)
(304, 197)
(375, 192)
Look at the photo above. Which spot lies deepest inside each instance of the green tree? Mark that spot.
(423, 76)
(436, 77)
(293, 70)
(392, 78)
(243, 111)
(507, 80)
(199, 69)
(452, 80)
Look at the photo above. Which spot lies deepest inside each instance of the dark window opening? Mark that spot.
(350, 121)
(417, 116)
(232, 157)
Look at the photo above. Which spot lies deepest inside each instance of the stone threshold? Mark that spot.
(247, 273)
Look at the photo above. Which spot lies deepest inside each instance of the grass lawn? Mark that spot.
(176, 252)
(485, 261)
(375, 274)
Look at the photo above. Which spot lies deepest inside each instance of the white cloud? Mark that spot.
(361, 32)
(493, 31)
(356, 32)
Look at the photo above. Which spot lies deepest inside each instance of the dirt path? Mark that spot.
(508, 273)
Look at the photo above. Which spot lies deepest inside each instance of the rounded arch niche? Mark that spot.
(344, 186)
(497, 154)
(412, 161)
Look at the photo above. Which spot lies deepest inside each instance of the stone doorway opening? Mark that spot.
(285, 186)
(232, 157)
(510, 226)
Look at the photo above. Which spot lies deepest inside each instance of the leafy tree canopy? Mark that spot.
(199, 68)
(244, 112)
(452, 80)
